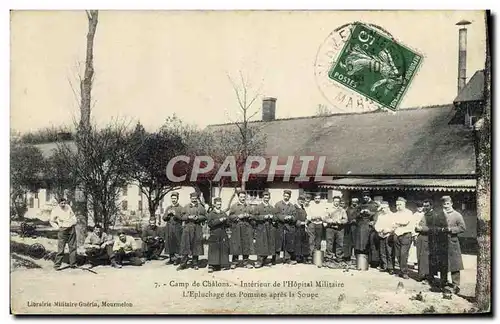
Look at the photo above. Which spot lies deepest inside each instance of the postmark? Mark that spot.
(361, 67)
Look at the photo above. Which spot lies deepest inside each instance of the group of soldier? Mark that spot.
(367, 228)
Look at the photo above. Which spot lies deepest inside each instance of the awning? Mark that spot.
(401, 184)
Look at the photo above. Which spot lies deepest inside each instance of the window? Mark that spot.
(31, 202)
(36, 195)
(322, 191)
(124, 190)
(139, 205)
(124, 205)
(47, 195)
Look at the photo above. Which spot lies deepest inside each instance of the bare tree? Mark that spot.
(151, 159)
(483, 165)
(26, 165)
(88, 77)
(246, 133)
(102, 165)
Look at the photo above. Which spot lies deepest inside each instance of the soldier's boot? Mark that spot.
(195, 262)
(183, 263)
(210, 269)
(234, 262)
(171, 259)
(114, 264)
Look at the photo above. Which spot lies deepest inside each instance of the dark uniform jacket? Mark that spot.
(285, 229)
(218, 241)
(367, 213)
(265, 241)
(241, 229)
(192, 233)
(173, 229)
(301, 236)
(456, 225)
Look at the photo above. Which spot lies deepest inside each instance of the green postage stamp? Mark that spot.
(375, 66)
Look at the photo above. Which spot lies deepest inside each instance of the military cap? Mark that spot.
(286, 191)
(419, 203)
(217, 199)
(193, 195)
(401, 199)
(446, 199)
(336, 197)
(317, 194)
(354, 199)
(175, 194)
(365, 192)
(302, 197)
(308, 195)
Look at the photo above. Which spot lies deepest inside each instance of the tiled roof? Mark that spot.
(409, 142)
(473, 90)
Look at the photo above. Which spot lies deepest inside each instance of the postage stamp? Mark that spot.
(375, 66)
(361, 67)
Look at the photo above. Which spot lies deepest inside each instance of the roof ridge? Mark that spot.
(339, 114)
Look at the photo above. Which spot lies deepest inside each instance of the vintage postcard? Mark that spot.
(250, 162)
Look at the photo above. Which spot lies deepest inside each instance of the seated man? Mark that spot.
(153, 242)
(99, 246)
(125, 248)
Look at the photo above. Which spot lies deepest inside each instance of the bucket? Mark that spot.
(318, 258)
(362, 262)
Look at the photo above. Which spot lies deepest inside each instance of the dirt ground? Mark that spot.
(156, 288)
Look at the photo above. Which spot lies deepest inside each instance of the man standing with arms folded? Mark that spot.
(240, 216)
(334, 223)
(63, 219)
(315, 214)
(385, 230)
(404, 227)
(456, 225)
(264, 215)
(173, 229)
(301, 237)
(194, 215)
(365, 221)
(285, 228)
(350, 229)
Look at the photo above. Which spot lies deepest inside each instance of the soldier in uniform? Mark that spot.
(194, 215)
(385, 229)
(334, 224)
(434, 225)
(315, 214)
(240, 215)
(152, 240)
(301, 237)
(98, 246)
(365, 222)
(218, 242)
(405, 225)
(350, 229)
(455, 226)
(285, 231)
(173, 229)
(425, 235)
(264, 215)
(125, 249)
(307, 200)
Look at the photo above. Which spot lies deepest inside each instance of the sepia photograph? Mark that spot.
(250, 162)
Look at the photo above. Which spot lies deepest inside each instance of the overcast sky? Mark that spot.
(150, 65)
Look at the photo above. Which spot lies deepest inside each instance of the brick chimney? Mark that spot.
(268, 109)
(462, 54)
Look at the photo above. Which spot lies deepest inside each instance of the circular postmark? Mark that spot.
(361, 67)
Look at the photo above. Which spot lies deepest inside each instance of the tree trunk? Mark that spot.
(483, 165)
(86, 83)
(85, 106)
